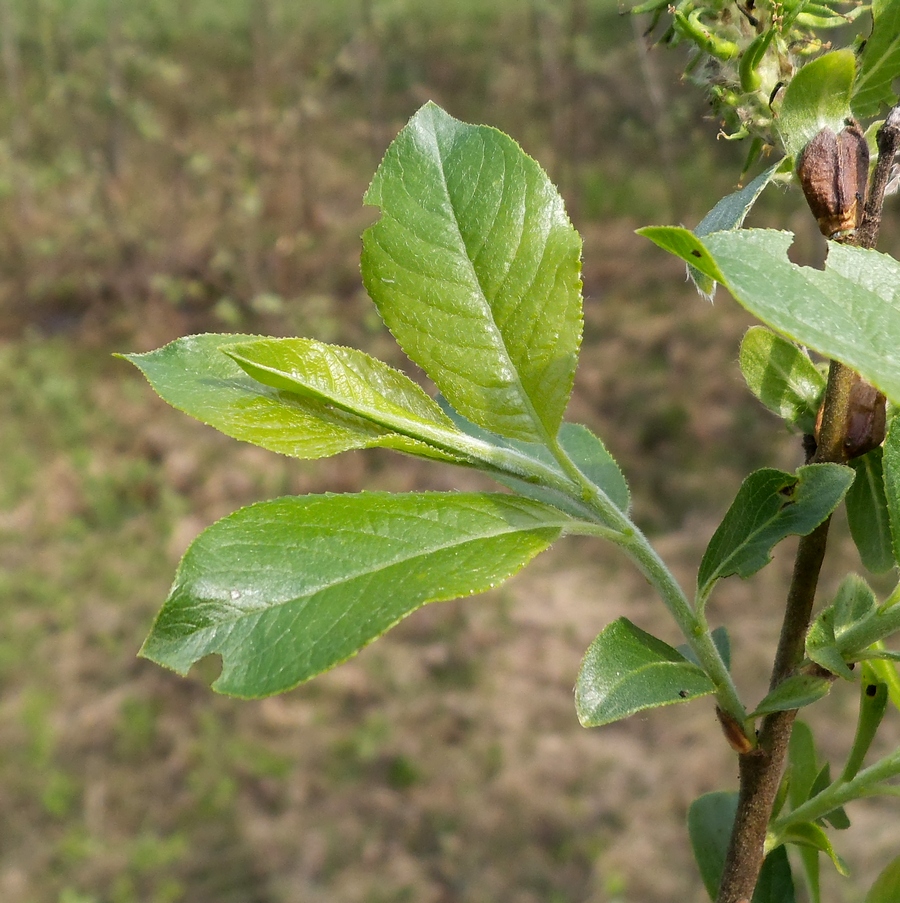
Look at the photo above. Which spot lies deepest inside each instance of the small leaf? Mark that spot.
(837, 818)
(775, 883)
(809, 834)
(782, 377)
(879, 62)
(803, 763)
(286, 589)
(729, 213)
(890, 462)
(710, 820)
(886, 671)
(873, 699)
(849, 312)
(854, 602)
(793, 693)
(867, 513)
(627, 670)
(769, 506)
(822, 647)
(886, 888)
(817, 97)
(194, 375)
(475, 268)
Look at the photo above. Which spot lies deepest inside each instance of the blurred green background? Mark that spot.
(176, 166)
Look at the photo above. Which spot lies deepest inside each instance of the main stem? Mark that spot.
(762, 768)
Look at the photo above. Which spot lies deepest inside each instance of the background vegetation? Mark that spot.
(178, 166)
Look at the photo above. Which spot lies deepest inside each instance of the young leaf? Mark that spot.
(803, 763)
(782, 377)
(286, 589)
(808, 834)
(873, 699)
(627, 670)
(822, 648)
(475, 268)
(849, 312)
(793, 693)
(879, 62)
(853, 602)
(710, 819)
(195, 376)
(349, 380)
(890, 462)
(729, 213)
(817, 97)
(867, 513)
(886, 888)
(769, 506)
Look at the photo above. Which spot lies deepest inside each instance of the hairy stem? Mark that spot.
(761, 769)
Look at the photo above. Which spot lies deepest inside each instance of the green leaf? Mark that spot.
(822, 647)
(721, 641)
(867, 513)
(195, 376)
(769, 506)
(849, 312)
(808, 834)
(351, 381)
(886, 888)
(853, 602)
(873, 699)
(817, 97)
(729, 213)
(710, 819)
(880, 61)
(793, 693)
(802, 762)
(286, 589)
(782, 377)
(585, 449)
(837, 818)
(886, 671)
(475, 268)
(891, 471)
(627, 670)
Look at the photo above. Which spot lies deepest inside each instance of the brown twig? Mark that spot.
(762, 768)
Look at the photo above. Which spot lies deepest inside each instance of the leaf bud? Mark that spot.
(834, 172)
(866, 419)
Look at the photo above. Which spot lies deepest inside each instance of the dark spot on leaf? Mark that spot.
(683, 694)
(696, 253)
(871, 689)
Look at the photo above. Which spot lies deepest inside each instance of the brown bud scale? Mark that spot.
(834, 172)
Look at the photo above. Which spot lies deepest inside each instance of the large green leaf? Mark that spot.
(850, 311)
(349, 380)
(475, 268)
(782, 377)
(195, 376)
(880, 62)
(867, 512)
(627, 670)
(769, 506)
(817, 97)
(286, 589)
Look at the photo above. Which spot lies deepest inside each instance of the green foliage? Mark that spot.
(770, 505)
(627, 670)
(473, 248)
(827, 311)
(782, 377)
(880, 62)
(886, 888)
(286, 589)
